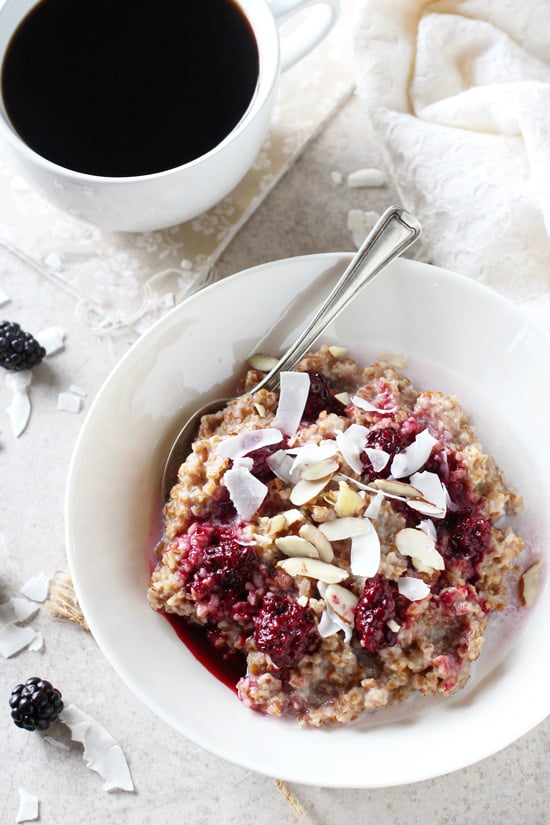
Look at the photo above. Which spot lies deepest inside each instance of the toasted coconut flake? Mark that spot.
(432, 491)
(245, 490)
(529, 584)
(101, 752)
(342, 601)
(413, 457)
(378, 458)
(428, 527)
(328, 626)
(365, 554)
(304, 491)
(313, 535)
(345, 528)
(313, 569)
(413, 588)
(28, 806)
(261, 362)
(421, 548)
(280, 463)
(312, 453)
(363, 404)
(351, 444)
(373, 510)
(294, 389)
(296, 546)
(396, 488)
(235, 446)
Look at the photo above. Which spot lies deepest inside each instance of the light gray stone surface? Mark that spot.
(176, 781)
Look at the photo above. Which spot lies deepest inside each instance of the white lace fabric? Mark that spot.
(459, 96)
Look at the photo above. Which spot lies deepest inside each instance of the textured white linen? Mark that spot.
(459, 96)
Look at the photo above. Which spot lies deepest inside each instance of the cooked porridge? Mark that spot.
(340, 535)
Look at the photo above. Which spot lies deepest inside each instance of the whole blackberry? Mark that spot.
(36, 704)
(18, 349)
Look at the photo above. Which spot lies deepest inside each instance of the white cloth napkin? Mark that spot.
(459, 96)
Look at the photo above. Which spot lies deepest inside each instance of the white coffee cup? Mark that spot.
(162, 199)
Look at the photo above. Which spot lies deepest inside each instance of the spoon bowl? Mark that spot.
(392, 235)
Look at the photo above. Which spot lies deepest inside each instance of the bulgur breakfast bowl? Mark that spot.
(434, 395)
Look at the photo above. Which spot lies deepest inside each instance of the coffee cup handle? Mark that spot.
(310, 32)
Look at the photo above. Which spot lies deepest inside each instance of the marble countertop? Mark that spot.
(176, 781)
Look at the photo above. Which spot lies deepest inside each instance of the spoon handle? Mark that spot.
(393, 233)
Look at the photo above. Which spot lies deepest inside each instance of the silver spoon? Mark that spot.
(393, 233)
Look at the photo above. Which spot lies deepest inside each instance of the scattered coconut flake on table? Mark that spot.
(336, 177)
(19, 410)
(28, 806)
(17, 610)
(54, 261)
(14, 638)
(4, 298)
(69, 402)
(101, 752)
(367, 178)
(76, 390)
(360, 224)
(37, 587)
(52, 339)
(55, 743)
(37, 643)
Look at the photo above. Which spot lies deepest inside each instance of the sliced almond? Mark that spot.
(337, 352)
(397, 488)
(345, 528)
(343, 398)
(277, 524)
(529, 584)
(262, 362)
(313, 535)
(342, 601)
(421, 548)
(305, 490)
(292, 516)
(260, 409)
(313, 569)
(296, 546)
(321, 469)
(426, 507)
(348, 501)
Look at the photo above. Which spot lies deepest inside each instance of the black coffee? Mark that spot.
(128, 87)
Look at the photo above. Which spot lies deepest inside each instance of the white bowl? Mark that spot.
(459, 337)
